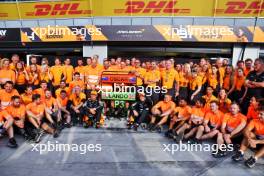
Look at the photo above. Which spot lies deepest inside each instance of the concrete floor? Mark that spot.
(123, 152)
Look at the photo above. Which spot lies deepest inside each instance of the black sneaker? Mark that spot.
(158, 128)
(143, 126)
(168, 133)
(174, 135)
(219, 154)
(238, 156)
(39, 135)
(2, 131)
(135, 127)
(85, 125)
(179, 138)
(195, 141)
(12, 143)
(150, 126)
(251, 162)
(67, 125)
(129, 125)
(97, 125)
(56, 134)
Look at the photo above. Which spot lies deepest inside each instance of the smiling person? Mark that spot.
(7, 93)
(6, 74)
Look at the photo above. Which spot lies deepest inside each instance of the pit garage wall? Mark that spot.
(242, 52)
(90, 50)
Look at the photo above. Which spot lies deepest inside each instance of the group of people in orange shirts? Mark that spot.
(202, 100)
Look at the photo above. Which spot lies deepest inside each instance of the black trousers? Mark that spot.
(94, 117)
(142, 116)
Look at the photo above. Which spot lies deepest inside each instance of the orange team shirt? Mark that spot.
(246, 71)
(183, 112)
(19, 112)
(258, 126)
(208, 101)
(93, 74)
(38, 68)
(152, 75)
(36, 109)
(51, 102)
(26, 99)
(212, 81)
(252, 113)
(12, 66)
(222, 71)
(6, 97)
(239, 82)
(165, 106)
(36, 81)
(69, 73)
(81, 70)
(57, 71)
(203, 76)
(58, 91)
(4, 115)
(169, 77)
(41, 92)
(21, 78)
(226, 82)
(142, 73)
(215, 119)
(44, 76)
(113, 68)
(7, 75)
(198, 113)
(62, 102)
(233, 121)
(76, 100)
(196, 82)
(74, 83)
(183, 80)
(224, 105)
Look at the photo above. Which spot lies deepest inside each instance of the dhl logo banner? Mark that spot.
(90, 8)
(144, 33)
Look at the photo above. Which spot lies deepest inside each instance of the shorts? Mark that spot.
(260, 137)
(211, 126)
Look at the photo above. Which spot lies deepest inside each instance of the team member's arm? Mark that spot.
(177, 85)
(248, 131)
(13, 77)
(239, 128)
(50, 74)
(223, 126)
(258, 84)
(26, 74)
(166, 113)
(196, 92)
(63, 109)
(233, 86)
